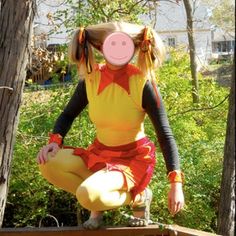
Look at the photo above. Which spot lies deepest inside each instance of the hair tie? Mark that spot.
(81, 36)
(145, 49)
(146, 43)
(86, 53)
(83, 41)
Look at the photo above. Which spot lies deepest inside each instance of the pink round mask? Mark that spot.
(118, 48)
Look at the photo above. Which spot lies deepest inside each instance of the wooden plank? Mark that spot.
(78, 231)
(189, 232)
(152, 230)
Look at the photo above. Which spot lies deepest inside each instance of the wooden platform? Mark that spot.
(152, 230)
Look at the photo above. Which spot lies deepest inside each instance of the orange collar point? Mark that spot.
(119, 77)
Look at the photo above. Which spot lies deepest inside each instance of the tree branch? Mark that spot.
(98, 6)
(200, 109)
(127, 12)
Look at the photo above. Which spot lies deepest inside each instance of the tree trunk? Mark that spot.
(192, 50)
(226, 223)
(16, 19)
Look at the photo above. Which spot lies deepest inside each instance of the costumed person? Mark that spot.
(116, 169)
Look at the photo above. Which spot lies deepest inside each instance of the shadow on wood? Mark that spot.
(152, 230)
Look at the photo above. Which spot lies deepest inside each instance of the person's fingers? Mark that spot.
(43, 155)
(169, 204)
(55, 150)
(182, 205)
(38, 158)
(173, 207)
(178, 207)
(45, 152)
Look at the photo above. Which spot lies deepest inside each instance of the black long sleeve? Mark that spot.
(162, 128)
(76, 104)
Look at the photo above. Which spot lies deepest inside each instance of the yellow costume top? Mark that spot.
(115, 104)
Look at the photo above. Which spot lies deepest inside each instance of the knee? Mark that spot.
(88, 197)
(46, 170)
(82, 196)
(50, 168)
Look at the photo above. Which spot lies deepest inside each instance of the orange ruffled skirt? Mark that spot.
(135, 160)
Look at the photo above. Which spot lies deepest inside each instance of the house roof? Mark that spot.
(221, 35)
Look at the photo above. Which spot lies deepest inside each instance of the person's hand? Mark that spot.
(175, 198)
(51, 148)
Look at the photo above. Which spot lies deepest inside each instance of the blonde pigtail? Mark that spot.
(145, 61)
(151, 53)
(81, 53)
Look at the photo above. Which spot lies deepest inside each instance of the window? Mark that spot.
(172, 42)
(223, 46)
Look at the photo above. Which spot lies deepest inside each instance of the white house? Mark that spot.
(171, 25)
(223, 44)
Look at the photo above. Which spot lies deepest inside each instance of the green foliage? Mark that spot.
(222, 20)
(92, 12)
(199, 132)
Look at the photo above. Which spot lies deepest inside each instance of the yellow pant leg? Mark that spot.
(65, 170)
(102, 191)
